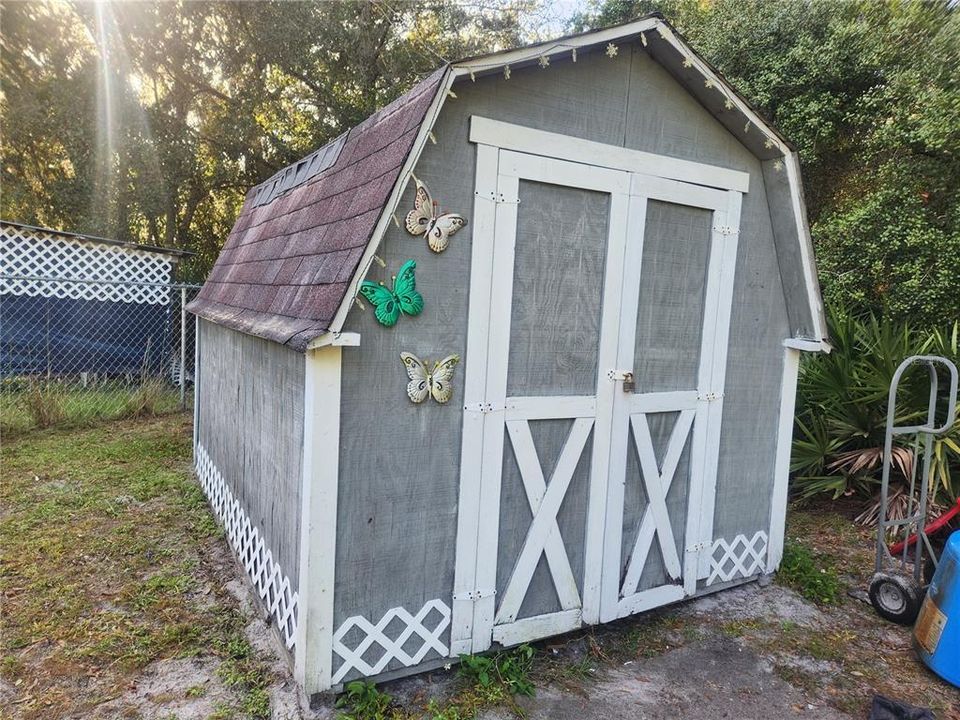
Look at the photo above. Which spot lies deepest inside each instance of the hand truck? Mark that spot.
(897, 593)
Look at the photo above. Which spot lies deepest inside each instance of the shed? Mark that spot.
(73, 304)
(617, 254)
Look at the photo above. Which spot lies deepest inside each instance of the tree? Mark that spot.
(870, 94)
(149, 121)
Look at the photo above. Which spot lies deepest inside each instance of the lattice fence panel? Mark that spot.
(428, 625)
(27, 255)
(742, 557)
(245, 538)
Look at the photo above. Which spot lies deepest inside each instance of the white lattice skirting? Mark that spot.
(247, 542)
(393, 648)
(740, 558)
(73, 262)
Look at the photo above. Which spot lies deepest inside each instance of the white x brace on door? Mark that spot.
(602, 419)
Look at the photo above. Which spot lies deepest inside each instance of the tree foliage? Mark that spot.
(869, 92)
(149, 121)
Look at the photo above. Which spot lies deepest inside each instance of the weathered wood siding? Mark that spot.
(251, 425)
(399, 462)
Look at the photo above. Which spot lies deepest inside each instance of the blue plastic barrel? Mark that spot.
(937, 632)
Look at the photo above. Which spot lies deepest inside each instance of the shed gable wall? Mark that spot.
(399, 462)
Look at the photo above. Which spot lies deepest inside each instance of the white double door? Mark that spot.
(592, 402)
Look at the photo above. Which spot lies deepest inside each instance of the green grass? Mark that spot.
(811, 576)
(27, 407)
(108, 548)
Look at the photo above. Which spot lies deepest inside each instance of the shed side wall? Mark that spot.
(399, 462)
(251, 428)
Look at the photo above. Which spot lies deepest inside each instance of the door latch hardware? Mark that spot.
(624, 376)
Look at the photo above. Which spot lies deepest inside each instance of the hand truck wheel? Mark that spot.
(896, 598)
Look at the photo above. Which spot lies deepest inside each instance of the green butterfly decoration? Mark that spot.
(389, 304)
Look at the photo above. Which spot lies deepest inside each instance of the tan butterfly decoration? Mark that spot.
(424, 383)
(424, 220)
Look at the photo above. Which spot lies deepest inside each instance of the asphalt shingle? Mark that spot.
(286, 266)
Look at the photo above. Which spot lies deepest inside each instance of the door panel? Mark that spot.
(637, 501)
(669, 322)
(561, 250)
(548, 438)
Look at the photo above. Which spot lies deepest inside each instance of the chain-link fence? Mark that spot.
(76, 351)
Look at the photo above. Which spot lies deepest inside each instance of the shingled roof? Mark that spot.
(288, 262)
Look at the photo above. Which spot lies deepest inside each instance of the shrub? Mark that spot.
(842, 407)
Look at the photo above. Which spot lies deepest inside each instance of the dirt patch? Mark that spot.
(716, 678)
(751, 603)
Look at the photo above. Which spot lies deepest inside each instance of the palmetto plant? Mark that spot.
(842, 405)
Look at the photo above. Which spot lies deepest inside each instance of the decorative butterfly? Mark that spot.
(423, 220)
(404, 298)
(423, 382)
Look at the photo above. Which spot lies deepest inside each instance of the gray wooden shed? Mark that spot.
(629, 296)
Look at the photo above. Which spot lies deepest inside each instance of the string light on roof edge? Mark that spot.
(688, 62)
(768, 143)
(709, 83)
(612, 50)
(506, 72)
(544, 61)
(643, 39)
(728, 104)
(778, 165)
(574, 54)
(473, 77)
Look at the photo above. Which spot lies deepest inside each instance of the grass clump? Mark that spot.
(361, 700)
(45, 404)
(502, 675)
(802, 571)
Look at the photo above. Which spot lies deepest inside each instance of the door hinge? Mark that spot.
(483, 407)
(725, 230)
(474, 595)
(497, 197)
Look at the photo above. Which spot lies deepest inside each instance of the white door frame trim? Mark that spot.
(506, 153)
(509, 136)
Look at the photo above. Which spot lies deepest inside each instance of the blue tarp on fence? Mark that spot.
(62, 336)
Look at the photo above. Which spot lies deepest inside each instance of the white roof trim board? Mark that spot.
(495, 62)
